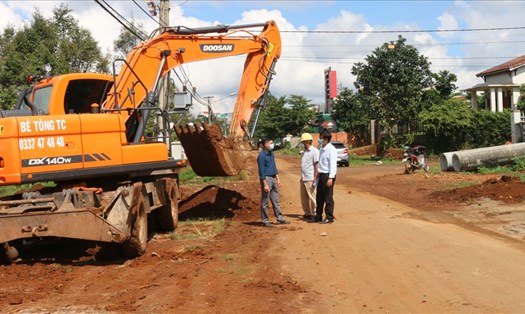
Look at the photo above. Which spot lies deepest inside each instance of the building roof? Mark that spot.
(327, 124)
(486, 87)
(507, 66)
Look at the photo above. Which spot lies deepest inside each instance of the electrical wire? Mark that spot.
(406, 31)
(129, 26)
(183, 3)
(430, 58)
(415, 44)
(283, 59)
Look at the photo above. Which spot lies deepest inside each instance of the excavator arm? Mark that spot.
(136, 86)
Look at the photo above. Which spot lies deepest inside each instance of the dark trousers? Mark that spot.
(325, 195)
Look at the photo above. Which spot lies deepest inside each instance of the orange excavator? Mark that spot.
(85, 133)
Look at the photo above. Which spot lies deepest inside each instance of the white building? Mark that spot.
(502, 91)
(501, 85)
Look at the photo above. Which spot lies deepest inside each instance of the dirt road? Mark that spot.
(377, 258)
(400, 243)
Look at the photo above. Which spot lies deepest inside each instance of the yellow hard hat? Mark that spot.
(306, 137)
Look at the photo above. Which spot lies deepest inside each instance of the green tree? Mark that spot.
(45, 47)
(77, 49)
(444, 83)
(489, 128)
(447, 125)
(126, 41)
(299, 114)
(283, 115)
(352, 113)
(271, 119)
(394, 79)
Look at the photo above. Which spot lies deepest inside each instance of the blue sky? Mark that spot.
(311, 13)
(305, 56)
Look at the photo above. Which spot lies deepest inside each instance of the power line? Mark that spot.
(183, 3)
(406, 31)
(479, 42)
(129, 26)
(431, 58)
(352, 63)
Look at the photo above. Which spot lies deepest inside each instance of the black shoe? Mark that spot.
(267, 224)
(283, 222)
(307, 217)
(326, 221)
(314, 219)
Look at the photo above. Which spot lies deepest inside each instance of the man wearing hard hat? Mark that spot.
(309, 161)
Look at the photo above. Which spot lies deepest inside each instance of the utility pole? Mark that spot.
(164, 21)
(210, 113)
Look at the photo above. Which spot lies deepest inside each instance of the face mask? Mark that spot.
(320, 141)
(272, 146)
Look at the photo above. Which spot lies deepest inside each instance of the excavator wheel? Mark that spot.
(135, 246)
(168, 215)
(209, 152)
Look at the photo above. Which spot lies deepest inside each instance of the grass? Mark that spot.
(289, 151)
(229, 257)
(188, 176)
(514, 170)
(361, 160)
(496, 169)
(193, 248)
(521, 176)
(196, 229)
(458, 185)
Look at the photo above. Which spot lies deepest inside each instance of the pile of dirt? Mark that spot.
(507, 189)
(214, 201)
(394, 154)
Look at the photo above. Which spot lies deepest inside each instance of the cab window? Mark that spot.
(81, 94)
(41, 98)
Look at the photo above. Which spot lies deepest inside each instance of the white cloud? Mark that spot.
(447, 22)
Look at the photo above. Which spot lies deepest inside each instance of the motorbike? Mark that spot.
(414, 158)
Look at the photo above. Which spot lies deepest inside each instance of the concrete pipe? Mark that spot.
(445, 161)
(497, 155)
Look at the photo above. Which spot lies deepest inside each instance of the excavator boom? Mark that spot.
(175, 46)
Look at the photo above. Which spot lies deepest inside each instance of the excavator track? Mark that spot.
(209, 152)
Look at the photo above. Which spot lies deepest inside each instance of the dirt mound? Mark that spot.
(213, 201)
(394, 154)
(508, 190)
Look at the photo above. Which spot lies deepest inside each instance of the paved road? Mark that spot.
(376, 258)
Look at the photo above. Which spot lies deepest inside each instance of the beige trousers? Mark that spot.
(308, 197)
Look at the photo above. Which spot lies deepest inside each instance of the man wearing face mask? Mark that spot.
(326, 179)
(270, 183)
(309, 160)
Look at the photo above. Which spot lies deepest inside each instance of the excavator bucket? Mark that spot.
(209, 152)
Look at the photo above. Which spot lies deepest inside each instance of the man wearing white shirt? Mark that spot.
(309, 160)
(327, 169)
